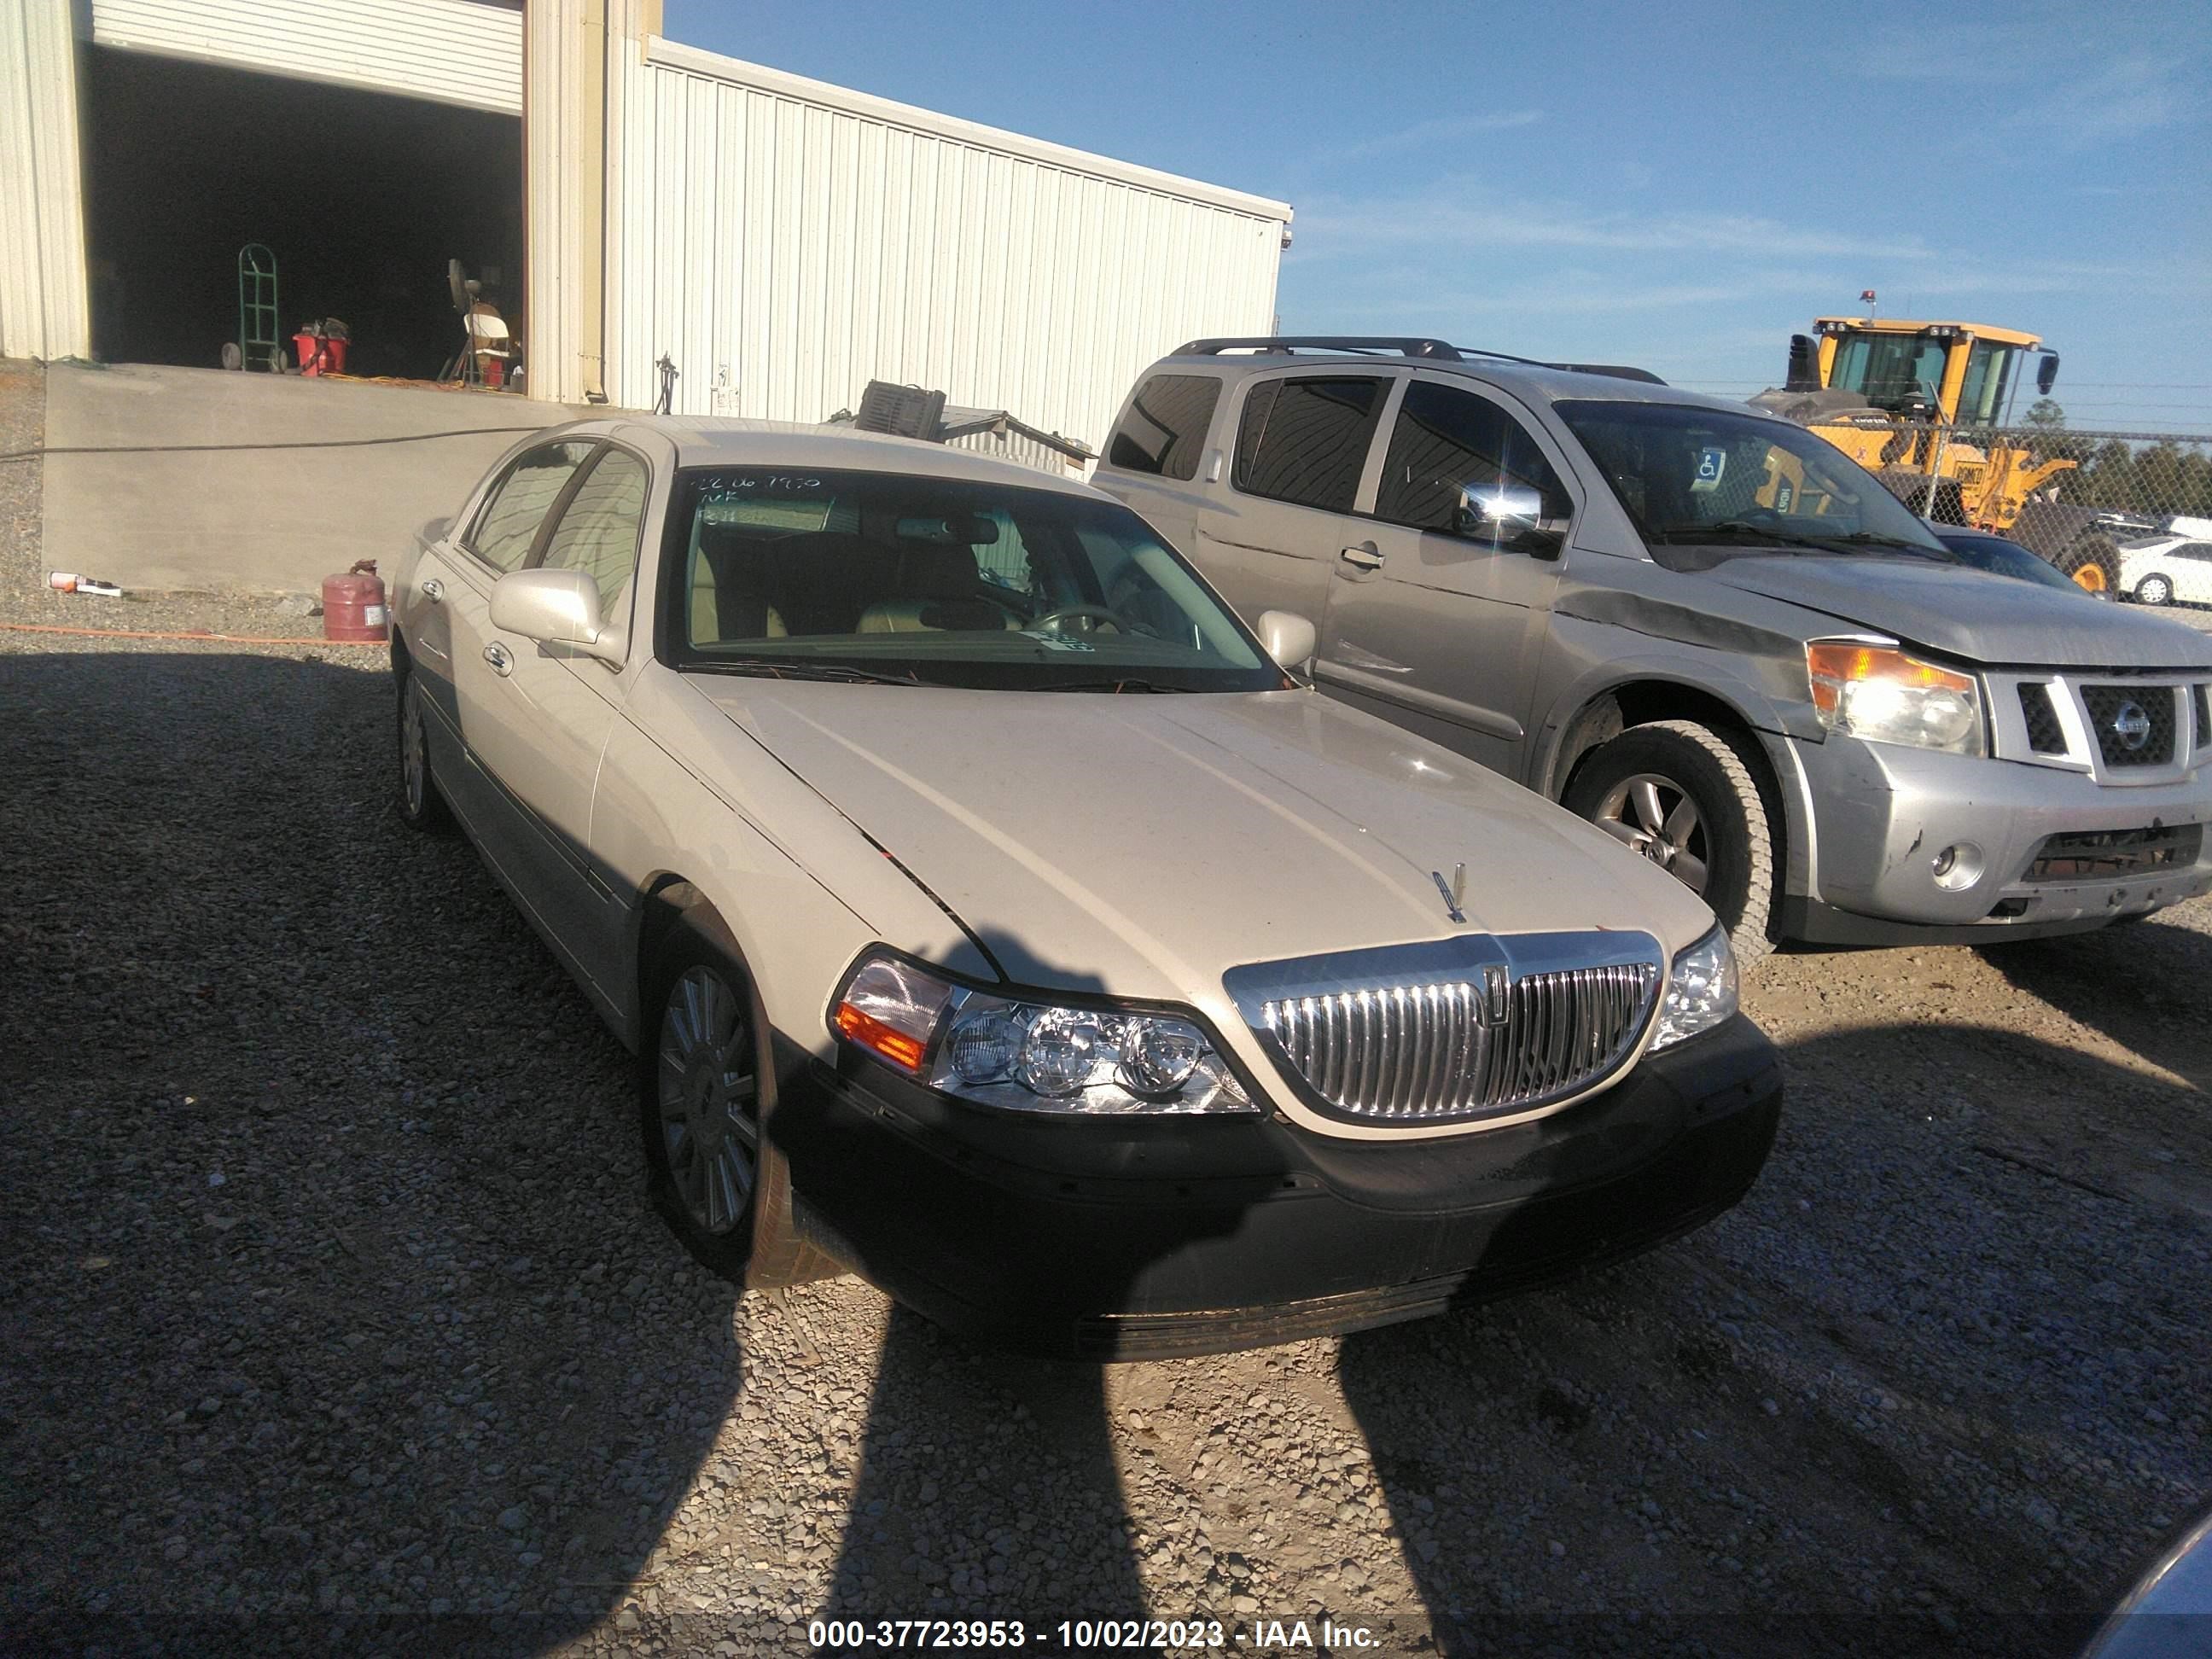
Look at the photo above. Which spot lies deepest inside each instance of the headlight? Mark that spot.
(1701, 990)
(1878, 693)
(1027, 1055)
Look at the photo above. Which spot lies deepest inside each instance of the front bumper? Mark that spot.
(1882, 812)
(1127, 1238)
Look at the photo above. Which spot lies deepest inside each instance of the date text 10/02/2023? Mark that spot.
(1260, 1636)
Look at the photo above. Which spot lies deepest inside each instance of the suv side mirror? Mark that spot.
(554, 607)
(1509, 516)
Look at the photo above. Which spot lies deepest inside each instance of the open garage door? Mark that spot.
(362, 196)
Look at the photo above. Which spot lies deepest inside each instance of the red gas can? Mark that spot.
(353, 606)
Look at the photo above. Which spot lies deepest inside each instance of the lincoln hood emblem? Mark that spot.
(1453, 890)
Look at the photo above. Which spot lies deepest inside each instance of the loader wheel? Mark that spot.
(1684, 797)
(2093, 564)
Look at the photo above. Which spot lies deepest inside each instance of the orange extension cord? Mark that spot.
(204, 639)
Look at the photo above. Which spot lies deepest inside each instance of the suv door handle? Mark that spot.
(1365, 557)
(432, 589)
(501, 658)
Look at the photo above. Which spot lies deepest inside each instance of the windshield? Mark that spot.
(1702, 483)
(1887, 369)
(803, 574)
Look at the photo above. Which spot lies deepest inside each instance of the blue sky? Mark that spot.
(1676, 185)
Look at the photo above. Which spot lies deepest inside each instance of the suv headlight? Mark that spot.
(1701, 990)
(1882, 695)
(1030, 1054)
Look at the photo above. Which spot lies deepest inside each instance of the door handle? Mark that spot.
(1365, 556)
(501, 658)
(432, 589)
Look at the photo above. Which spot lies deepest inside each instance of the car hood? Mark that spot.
(1143, 844)
(1969, 614)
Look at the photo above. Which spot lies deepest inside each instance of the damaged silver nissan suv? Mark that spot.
(1702, 627)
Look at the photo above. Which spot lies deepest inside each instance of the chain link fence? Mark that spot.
(2129, 512)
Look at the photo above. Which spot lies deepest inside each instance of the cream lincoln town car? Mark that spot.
(994, 915)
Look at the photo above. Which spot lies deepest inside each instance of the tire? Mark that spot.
(700, 1066)
(2093, 564)
(1726, 853)
(2154, 590)
(420, 806)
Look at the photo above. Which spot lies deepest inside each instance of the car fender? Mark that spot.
(1769, 720)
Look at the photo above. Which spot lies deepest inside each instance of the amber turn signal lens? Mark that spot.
(878, 1039)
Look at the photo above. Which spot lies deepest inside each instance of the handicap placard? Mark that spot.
(1713, 462)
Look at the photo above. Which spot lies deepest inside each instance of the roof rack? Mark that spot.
(1619, 371)
(1403, 346)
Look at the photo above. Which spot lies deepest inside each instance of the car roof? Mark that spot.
(1541, 382)
(701, 441)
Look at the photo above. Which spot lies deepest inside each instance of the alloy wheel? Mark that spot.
(708, 1094)
(1655, 815)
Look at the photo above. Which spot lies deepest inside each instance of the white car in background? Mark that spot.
(993, 915)
(2169, 569)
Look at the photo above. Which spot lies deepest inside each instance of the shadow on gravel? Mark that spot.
(2141, 984)
(335, 1317)
(1945, 1402)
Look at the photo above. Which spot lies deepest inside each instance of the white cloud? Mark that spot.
(1424, 133)
(1454, 217)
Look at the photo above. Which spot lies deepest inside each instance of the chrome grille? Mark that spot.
(1484, 1036)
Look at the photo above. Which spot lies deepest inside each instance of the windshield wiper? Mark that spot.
(1737, 531)
(1123, 683)
(810, 671)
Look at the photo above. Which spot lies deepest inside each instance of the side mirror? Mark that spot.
(1509, 516)
(2046, 373)
(554, 607)
(1288, 637)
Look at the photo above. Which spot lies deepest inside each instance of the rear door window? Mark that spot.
(1447, 441)
(508, 526)
(1305, 440)
(1166, 426)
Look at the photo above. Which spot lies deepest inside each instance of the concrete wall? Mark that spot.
(243, 514)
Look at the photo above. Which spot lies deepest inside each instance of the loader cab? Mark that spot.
(1966, 372)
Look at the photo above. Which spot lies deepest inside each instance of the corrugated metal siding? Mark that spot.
(43, 311)
(450, 52)
(1020, 449)
(794, 240)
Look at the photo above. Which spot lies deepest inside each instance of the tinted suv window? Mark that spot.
(1305, 440)
(1446, 441)
(1166, 426)
(510, 521)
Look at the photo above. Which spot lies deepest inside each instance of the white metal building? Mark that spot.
(626, 199)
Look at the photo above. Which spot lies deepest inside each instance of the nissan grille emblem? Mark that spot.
(2132, 726)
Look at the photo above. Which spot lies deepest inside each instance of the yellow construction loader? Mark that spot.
(1893, 394)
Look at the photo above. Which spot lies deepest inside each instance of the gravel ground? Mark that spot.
(335, 1308)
